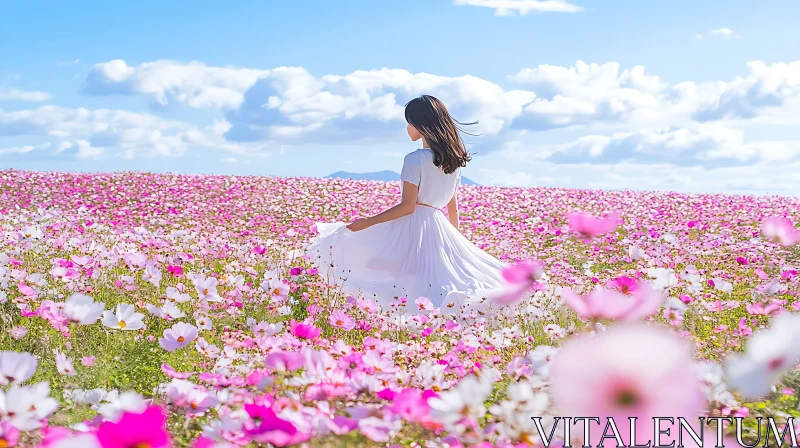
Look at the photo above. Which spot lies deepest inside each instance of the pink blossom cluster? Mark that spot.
(616, 304)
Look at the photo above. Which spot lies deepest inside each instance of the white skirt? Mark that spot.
(418, 255)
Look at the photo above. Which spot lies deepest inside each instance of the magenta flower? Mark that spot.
(410, 405)
(283, 361)
(587, 226)
(9, 435)
(135, 430)
(266, 427)
(340, 319)
(520, 278)
(304, 330)
(629, 300)
(652, 376)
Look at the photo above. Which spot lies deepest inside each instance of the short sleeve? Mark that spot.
(412, 170)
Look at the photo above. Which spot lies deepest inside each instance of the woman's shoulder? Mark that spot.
(416, 156)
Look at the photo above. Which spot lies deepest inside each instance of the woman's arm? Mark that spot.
(405, 207)
(452, 210)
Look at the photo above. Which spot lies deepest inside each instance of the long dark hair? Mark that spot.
(429, 116)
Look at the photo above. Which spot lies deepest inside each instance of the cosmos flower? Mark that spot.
(652, 376)
(179, 336)
(124, 317)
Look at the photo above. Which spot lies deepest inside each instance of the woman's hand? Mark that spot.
(359, 224)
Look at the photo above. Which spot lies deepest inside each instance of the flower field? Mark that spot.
(143, 310)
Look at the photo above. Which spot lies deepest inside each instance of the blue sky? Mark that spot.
(680, 95)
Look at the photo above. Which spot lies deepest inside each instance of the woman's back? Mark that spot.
(435, 187)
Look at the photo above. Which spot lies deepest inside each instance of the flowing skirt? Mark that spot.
(418, 255)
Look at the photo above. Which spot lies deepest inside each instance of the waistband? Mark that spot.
(426, 205)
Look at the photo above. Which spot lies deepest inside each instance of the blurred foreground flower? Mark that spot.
(781, 231)
(520, 278)
(768, 355)
(624, 299)
(630, 370)
(588, 226)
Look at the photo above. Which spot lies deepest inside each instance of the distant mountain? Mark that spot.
(382, 176)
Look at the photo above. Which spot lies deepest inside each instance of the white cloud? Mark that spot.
(229, 160)
(709, 145)
(193, 83)
(725, 33)
(87, 151)
(127, 134)
(290, 105)
(522, 7)
(23, 149)
(698, 36)
(14, 94)
(592, 94)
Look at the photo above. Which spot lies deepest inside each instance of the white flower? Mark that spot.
(83, 309)
(152, 275)
(635, 253)
(174, 294)
(26, 406)
(207, 289)
(712, 377)
(555, 331)
(663, 278)
(16, 367)
(768, 355)
(276, 288)
(64, 364)
(722, 285)
(30, 233)
(541, 358)
(694, 283)
(78, 441)
(172, 310)
(465, 400)
(203, 322)
(125, 318)
(126, 402)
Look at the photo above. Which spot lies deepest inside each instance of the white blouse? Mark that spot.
(435, 187)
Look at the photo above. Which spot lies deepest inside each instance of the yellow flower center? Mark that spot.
(181, 339)
(122, 324)
(276, 291)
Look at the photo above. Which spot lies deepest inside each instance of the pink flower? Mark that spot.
(410, 405)
(266, 427)
(780, 231)
(87, 361)
(631, 370)
(640, 301)
(19, 332)
(145, 429)
(283, 361)
(340, 319)
(9, 435)
(424, 304)
(587, 226)
(172, 373)
(179, 336)
(303, 330)
(765, 308)
(520, 278)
